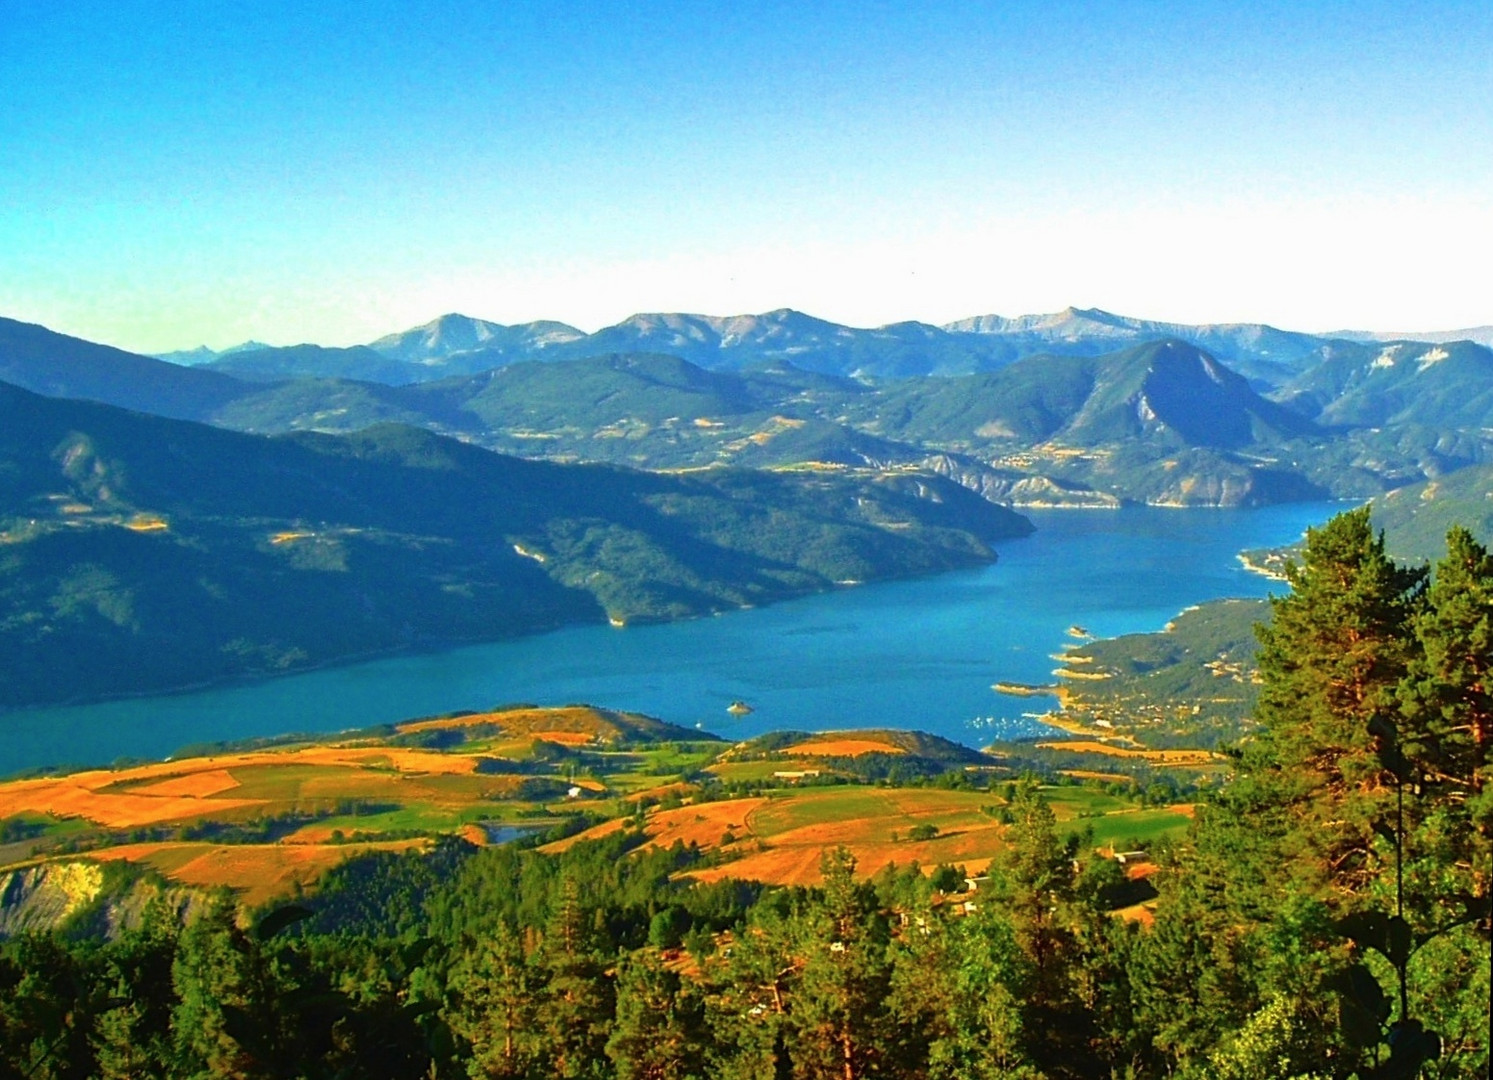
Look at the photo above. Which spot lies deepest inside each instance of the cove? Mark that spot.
(908, 654)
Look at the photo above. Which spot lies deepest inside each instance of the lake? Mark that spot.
(907, 654)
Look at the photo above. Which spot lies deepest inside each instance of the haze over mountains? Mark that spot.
(1104, 413)
(1482, 335)
(459, 344)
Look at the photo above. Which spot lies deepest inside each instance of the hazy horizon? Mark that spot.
(338, 173)
(591, 329)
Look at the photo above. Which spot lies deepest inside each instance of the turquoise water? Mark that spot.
(909, 654)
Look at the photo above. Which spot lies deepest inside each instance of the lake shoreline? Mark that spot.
(913, 653)
(443, 645)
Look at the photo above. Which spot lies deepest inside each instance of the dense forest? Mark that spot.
(1327, 916)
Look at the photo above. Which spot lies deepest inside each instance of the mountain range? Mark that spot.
(458, 344)
(163, 523)
(1481, 335)
(1162, 421)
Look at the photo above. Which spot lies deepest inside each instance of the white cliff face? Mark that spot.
(43, 897)
(1434, 356)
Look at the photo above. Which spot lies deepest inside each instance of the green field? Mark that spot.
(1136, 828)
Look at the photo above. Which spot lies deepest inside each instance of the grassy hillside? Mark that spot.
(1160, 423)
(298, 361)
(1407, 382)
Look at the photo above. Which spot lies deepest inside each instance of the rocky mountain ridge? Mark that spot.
(459, 344)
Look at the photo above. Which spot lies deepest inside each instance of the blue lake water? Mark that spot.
(908, 654)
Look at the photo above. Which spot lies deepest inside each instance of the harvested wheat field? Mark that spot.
(202, 785)
(898, 808)
(793, 858)
(78, 797)
(762, 770)
(1087, 774)
(597, 832)
(846, 748)
(705, 825)
(566, 738)
(367, 757)
(178, 791)
(256, 872)
(782, 838)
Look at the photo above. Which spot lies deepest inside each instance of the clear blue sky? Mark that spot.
(207, 172)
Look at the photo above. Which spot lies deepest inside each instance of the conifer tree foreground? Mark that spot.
(1331, 658)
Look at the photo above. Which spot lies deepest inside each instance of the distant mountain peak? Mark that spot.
(452, 334)
(202, 354)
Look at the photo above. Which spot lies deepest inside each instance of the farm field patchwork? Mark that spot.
(268, 821)
(264, 821)
(780, 836)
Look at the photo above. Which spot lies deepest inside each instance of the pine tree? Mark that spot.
(1331, 659)
(573, 1011)
(1034, 884)
(492, 990)
(1036, 880)
(750, 1011)
(1447, 696)
(1445, 727)
(840, 1019)
(44, 1011)
(660, 1031)
(982, 1034)
(133, 1037)
(225, 1023)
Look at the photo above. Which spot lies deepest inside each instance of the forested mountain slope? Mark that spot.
(143, 553)
(46, 362)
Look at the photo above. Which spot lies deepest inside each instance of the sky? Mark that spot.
(211, 172)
